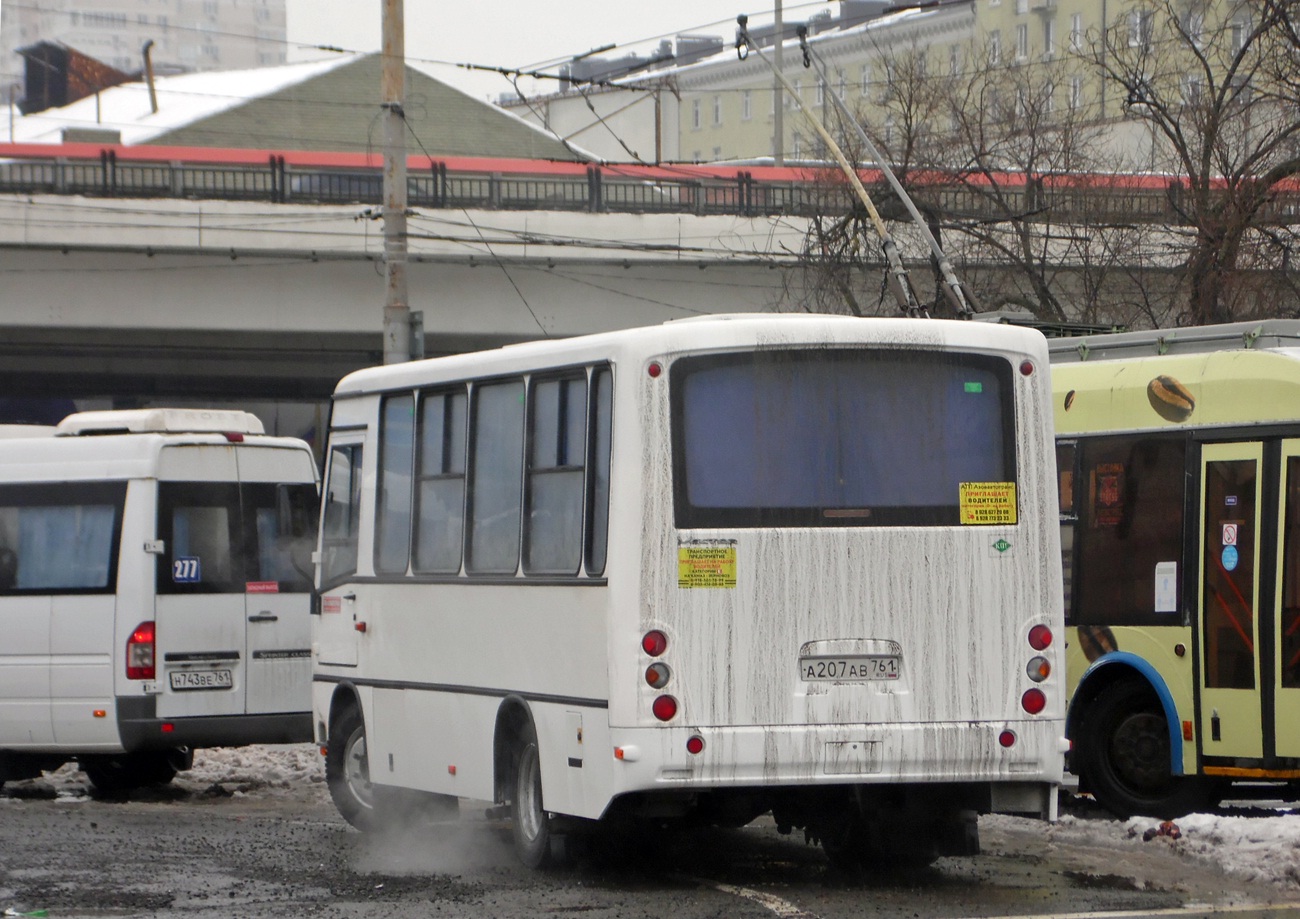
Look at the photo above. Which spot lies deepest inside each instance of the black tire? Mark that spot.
(118, 775)
(531, 824)
(1123, 754)
(347, 772)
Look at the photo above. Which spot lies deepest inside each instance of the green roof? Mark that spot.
(340, 111)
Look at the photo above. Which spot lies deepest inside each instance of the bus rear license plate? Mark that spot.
(848, 669)
(201, 679)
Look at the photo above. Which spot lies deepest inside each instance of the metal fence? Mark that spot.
(600, 190)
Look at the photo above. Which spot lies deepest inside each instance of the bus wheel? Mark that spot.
(1124, 754)
(347, 771)
(532, 826)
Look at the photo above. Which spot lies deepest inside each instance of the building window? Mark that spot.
(866, 78)
(841, 82)
(1076, 93)
(1076, 32)
(954, 60)
(717, 110)
(1022, 7)
(695, 114)
(995, 46)
(1237, 32)
(1139, 29)
(1022, 42)
(1049, 38)
(820, 92)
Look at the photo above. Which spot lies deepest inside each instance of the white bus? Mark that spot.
(155, 579)
(804, 565)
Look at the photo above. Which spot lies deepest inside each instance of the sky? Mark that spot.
(1263, 849)
(515, 34)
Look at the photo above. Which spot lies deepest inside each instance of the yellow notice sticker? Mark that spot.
(711, 564)
(984, 503)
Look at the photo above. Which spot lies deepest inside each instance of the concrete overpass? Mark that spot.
(112, 301)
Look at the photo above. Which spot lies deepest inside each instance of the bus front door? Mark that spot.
(1231, 710)
(1286, 622)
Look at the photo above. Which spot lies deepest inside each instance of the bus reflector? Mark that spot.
(695, 744)
(664, 707)
(1038, 669)
(139, 653)
(1033, 701)
(100, 713)
(1187, 730)
(1026, 367)
(655, 369)
(654, 643)
(1040, 637)
(657, 675)
(1007, 738)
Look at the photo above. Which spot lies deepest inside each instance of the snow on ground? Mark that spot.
(1263, 847)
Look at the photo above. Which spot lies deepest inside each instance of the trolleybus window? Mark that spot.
(60, 538)
(849, 437)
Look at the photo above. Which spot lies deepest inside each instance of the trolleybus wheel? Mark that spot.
(1125, 756)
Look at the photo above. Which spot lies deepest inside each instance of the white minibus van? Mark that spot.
(155, 580)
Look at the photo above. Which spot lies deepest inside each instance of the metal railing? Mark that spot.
(601, 190)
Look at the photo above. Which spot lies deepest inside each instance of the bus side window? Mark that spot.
(57, 538)
(396, 466)
(602, 410)
(1130, 511)
(1065, 456)
(555, 476)
(496, 466)
(440, 489)
(340, 520)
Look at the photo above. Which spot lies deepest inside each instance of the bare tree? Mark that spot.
(1215, 82)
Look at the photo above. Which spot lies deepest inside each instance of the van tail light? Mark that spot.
(140, 653)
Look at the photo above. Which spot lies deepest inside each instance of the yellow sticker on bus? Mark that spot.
(709, 564)
(988, 503)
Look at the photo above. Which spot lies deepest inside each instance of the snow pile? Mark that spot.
(1264, 848)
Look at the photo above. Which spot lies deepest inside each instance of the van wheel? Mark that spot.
(115, 775)
(532, 825)
(1124, 754)
(347, 771)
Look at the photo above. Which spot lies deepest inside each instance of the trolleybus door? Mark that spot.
(1286, 620)
(1231, 712)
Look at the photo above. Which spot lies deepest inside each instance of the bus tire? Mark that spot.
(347, 771)
(1124, 754)
(531, 825)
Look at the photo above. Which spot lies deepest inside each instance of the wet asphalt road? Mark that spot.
(241, 851)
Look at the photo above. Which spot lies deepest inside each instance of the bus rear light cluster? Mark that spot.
(655, 643)
(140, 653)
(1038, 669)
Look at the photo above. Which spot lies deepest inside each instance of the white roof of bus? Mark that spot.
(698, 333)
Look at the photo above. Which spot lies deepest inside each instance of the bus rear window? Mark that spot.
(840, 437)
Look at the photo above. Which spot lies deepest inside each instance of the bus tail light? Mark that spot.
(140, 653)
(1040, 637)
(664, 708)
(1033, 701)
(657, 675)
(1038, 669)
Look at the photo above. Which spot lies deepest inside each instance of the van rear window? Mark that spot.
(837, 437)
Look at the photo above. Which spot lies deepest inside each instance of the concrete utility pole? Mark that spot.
(397, 311)
(778, 100)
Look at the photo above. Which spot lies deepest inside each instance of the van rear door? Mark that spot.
(199, 608)
(280, 505)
